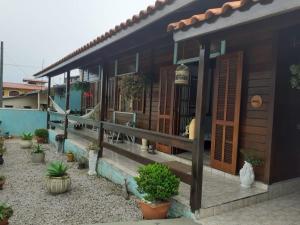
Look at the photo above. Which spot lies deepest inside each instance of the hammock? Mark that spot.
(93, 114)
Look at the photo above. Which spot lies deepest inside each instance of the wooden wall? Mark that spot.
(257, 80)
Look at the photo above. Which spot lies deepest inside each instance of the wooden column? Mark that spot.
(67, 104)
(197, 160)
(102, 108)
(48, 101)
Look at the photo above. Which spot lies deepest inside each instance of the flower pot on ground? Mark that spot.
(158, 184)
(93, 149)
(70, 156)
(37, 154)
(57, 180)
(144, 146)
(2, 181)
(247, 176)
(2, 150)
(26, 140)
(5, 213)
(41, 135)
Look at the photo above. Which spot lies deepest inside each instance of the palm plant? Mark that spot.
(57, 169)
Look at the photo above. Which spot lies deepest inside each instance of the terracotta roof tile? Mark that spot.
(210, 13)
(23, 86)
(159, 4)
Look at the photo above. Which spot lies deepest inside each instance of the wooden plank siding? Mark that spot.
(257, 80)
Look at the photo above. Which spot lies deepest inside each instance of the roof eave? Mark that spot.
(255, 13)
(157, 15)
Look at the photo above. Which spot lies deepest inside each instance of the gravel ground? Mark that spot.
(91, 200)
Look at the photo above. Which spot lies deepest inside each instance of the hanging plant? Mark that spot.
(295, 78)
(133, 86)
(83, 86)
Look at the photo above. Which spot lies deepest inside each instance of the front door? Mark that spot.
(226, 112)
(166, 105)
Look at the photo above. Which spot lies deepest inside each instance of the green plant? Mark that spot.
(57, 169)
(81, 86)
(295, 78)
(2, 178)
(2, 149)
(133, 86)
(250, 157)
(38, 149)
(157, 182)
(27, 136)
(5, 211)
(42, 133)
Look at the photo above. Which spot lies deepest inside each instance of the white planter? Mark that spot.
(247, 175)
(37, 157)
(26, 143)
(58, 185)
(144, 146)
(92, 162)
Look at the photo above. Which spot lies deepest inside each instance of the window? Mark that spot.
(27, 107)
(14, 93)
(8, 106)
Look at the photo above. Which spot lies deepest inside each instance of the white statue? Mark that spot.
(247, 175)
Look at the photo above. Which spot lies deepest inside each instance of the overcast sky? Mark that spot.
(37, 33)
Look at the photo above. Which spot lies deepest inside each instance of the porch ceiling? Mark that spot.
(153, 13)
(232, 13)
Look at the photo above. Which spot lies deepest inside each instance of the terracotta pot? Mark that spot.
(4, 222)
(37, 157)
(70, 157)
(155, 211)
(58, 185)
(41, 140)
(2, 182)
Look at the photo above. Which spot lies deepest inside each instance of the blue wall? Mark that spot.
(75, 100)
(17, 121)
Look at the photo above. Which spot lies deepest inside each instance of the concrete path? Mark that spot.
(181, 221)
(280, 211)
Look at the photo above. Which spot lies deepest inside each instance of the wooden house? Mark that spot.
(238, 55)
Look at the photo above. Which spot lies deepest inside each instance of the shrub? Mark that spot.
(42, 133)
(5, 211)
(57, 169)
(250, 157)
(157, 182)
(2, 178)
(27, 136)
(38, 149)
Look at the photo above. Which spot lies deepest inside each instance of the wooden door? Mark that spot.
(166, 105)
(226, 112)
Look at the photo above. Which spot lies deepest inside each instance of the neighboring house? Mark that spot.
(30, 100)
(14, 89)
(238, 55)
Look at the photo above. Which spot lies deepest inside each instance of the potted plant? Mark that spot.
(26, 140)
(93, 149)
(2, 181)
(57, 180)
(2, 150)
(5, 213)
(82, 162)
(37, 154)
(158, 184)
(70, 156)
(247, 175)
(41, 135)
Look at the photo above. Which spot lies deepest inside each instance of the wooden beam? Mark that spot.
(67, 104)
(198, 146)
(48, 101)
(102, 112)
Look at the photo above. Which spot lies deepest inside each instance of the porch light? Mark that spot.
(182, 74)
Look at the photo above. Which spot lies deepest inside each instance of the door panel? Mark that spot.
(226, 112)
(166, 106)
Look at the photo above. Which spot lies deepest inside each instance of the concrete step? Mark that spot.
(181, 221)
